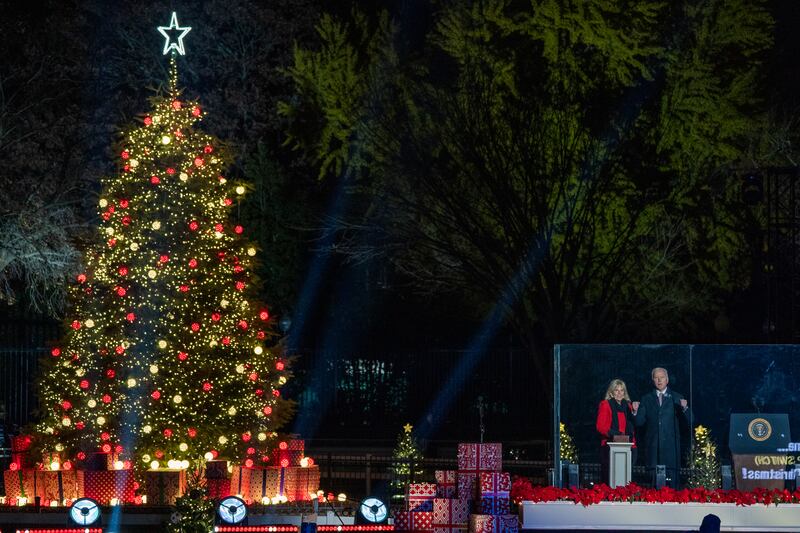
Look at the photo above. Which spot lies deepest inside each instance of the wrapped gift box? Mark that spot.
(102, 486)
(450, 515)
(240, 480)
(162, 487)
(216, 469)
(420, 496)
(467, 485)
(218, 488)
(21, 443)
(264, 483)
(59, 485)
(280, 458)
(483, 457)
(299, 482)
(482, 523)
(494, 489)
(413, 521)
(446, 484)
(497, 506)
(297, 450)
(22, 459)
(21, 483)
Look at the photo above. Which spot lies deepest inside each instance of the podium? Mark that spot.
(619, 463)
(759, 443)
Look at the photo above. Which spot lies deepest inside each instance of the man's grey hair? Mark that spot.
(656, 369)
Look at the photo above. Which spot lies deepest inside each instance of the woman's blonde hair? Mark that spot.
(613, 385)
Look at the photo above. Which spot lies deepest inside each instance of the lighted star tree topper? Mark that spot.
(168, 357)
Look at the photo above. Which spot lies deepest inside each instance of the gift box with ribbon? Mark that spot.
(218, 488)
(450, 515)
(494, 489)
(105, 485)
(413, 521)
(21, 483)
(446, 483)
(300, 482)
(264, 483)
(217, 469)
(483, 523)
(59, 485)
(420, 496)
(240, 480)
(480, 457)
(163, 487)
(21, 443)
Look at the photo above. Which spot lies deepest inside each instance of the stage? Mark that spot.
(640, 516)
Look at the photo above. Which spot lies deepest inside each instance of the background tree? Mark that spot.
(407, 461)
(705, 463)
(566, 160)
(169, 357)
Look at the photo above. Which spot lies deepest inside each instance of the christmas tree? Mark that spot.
(407, 460)
(568, 451)
(168, 357)
(705, 463)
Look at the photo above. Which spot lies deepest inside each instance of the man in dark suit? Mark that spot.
(660, 412)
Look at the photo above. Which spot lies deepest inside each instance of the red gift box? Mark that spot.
(301, 482)
(264, 483)
(482, 523)
(163, 487)
(240, 480)
(446, 484)
(216, 469)
(59, 485)
(102, 486)
(494, 489)
(420, 496)
(218, 488)
(21, 483)
(296, 444)
(467, 485)
(23, 460)
(450, 515)
(413, 521)
(483, 457)
(21, 443)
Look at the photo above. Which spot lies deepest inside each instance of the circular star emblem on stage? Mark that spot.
(174, 35)
(759, 429)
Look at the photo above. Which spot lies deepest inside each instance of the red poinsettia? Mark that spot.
(523, 490)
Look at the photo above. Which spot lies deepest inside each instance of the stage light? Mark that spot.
(373, 511)
(232, 510)
(84, 512)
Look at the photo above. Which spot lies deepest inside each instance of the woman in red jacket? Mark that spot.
(614, 417)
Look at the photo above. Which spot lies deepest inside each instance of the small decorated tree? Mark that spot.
(407, 460)
(568, 451)
(705, 463)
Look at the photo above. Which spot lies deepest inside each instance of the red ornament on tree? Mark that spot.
(148, 121)
(196, 111)
(156, 394)
(76, 325)
(192, 432)
(130, 317)
(55, 352)
(81, 278)
(168, 433)
(206, 386)
(123, 203)
(238, 229)
(279, 365)
(193, 225)
(176, 104)
(263, 315)
(192, 263)
(106, 398)
(155, 180)
(182, 356)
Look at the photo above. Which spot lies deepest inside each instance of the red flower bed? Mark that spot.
(523, 490)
